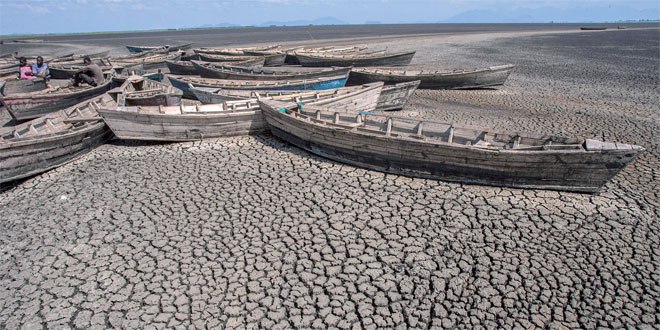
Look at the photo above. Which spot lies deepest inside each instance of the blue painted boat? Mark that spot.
(183, 83)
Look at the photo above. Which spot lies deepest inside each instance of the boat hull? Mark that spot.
(238, 74)
(477, 78)
(23, 108)
(314, 85)
(555, 170)
(41, 155)
(189, 127)
(383, 60)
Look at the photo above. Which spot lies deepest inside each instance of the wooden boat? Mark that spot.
(204, 68)
(149, 62)
(395, 97)
(32, 105)
(227, 58)
(17, 86)
(140, 49)
(445, 151)
(597, 28)
(189, 123)
(221, 71)
(28, 41)
(377, 59)
(456, 79)
(138, 90)
(183, 83)
(233, 51)
(52, 140)
(366, 96)
(392, 97)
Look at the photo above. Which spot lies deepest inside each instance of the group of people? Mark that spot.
(37, 70)
(91, 73)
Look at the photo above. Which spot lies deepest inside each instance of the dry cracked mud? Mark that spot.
(250, 232)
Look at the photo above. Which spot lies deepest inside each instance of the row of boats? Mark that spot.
(308, 107)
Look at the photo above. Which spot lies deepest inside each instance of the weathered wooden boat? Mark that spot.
(140, 49)
(392, 97)
(233, 51)
(188, 123)
(395, 97)
(17, 86)
(183, 83)
(455, 79)
(449, 152)
(224, 71)
(52, 140)
(204, 68)
(138, 90)
(363, 98)
(151, 62)
(596, 28)
(227, 58)
(36, 104)
(377, 59)
(28, 41)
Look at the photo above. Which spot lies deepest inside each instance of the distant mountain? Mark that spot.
(610, 13)
(318, 21)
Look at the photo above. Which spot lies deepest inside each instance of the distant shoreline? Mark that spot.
(170, 30)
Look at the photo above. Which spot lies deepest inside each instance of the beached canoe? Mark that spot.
(392, 97)
(18, 86)
(363, 98)
(229, 71)
(140, 49)
(188, 123)
(183, 82)
(150, 62)
(373, 59)
(455, 79)
(236, 51)
(446, 151)
(225, 58)
(36, 104)
(187, 67)
(138, 90)
(52, 140)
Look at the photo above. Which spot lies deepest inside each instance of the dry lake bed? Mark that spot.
(250, 232)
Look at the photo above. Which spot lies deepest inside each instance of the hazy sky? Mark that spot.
(58, 16)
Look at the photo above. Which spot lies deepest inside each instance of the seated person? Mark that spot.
(24, 70)
(90, 74)
(40, 69)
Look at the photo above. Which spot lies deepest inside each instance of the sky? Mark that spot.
(66, 16)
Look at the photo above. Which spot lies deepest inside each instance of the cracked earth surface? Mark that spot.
(249, 232)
